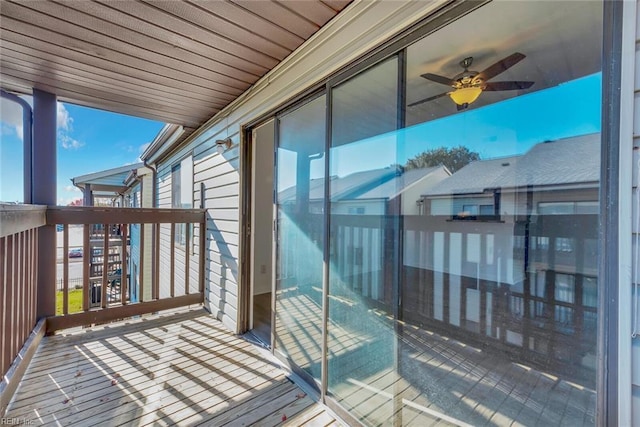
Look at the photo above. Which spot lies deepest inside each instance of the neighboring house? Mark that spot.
(109, 184)
(139, 194)
(399, 193)
(130, 186)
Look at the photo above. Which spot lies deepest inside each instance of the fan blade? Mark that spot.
(493, 86)
(501, 66)
(431, 98)
(438, 79)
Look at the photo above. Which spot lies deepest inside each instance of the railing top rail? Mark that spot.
(106, 215)
(16, 218)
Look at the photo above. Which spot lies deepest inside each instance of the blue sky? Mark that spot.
(88, 140)
(91, 140)
(501, 129)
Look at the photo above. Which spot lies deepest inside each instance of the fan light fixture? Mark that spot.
(223, 144)
(465, 95)
(468, 85)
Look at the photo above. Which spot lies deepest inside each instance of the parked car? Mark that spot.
(75, 253)
(59, 227)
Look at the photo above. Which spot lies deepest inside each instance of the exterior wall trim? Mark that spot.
(608, 368)
(625, 211)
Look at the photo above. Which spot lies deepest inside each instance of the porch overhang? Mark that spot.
(174, 62)
(107, 183)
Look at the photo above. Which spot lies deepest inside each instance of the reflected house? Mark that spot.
(374, 192)
(514, 250)
(553, 177)
(359, 198)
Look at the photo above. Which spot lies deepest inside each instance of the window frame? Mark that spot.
(177, 196)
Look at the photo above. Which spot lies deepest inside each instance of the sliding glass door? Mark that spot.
(300, 167)
(463, 182)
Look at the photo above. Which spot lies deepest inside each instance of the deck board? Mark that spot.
(433, 379)
(182, 368)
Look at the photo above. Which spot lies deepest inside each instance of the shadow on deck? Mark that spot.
(181, 368)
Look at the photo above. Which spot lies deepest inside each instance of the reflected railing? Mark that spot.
(526, 287)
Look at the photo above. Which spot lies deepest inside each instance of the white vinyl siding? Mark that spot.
(186, 199)
(358, 29)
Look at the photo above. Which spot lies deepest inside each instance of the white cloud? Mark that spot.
(64, 201)
(11, 117)
(72, 188)
(141, 150)
(69, 143)
(64, 120)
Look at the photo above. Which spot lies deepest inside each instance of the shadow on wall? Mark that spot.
(221, 279)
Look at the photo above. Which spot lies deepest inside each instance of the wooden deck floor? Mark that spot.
(392, 373)
(177, 369)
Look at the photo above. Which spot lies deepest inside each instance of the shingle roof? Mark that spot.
(342, 187)
(565, 161)
(106, 178)
(475, 177)
(397, 184)
(382, 183)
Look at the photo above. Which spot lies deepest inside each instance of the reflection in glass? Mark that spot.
(364, 177)
(300, 240)
(463, 247)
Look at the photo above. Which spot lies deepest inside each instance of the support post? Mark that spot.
(87, 195)
(43, 190)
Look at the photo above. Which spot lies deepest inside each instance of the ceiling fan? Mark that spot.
(468, 85)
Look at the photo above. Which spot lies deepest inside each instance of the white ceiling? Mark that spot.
(174, 61)
(561, 41)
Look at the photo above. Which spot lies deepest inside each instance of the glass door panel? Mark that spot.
(300, 234)
(361, 338)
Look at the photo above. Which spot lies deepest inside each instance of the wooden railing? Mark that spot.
(146, 262)
(18, 277)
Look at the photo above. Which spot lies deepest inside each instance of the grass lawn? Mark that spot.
(75, 301)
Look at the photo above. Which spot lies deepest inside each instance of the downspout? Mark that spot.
(27, 132)
(154, 187)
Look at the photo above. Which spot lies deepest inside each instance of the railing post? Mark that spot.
(44, 193)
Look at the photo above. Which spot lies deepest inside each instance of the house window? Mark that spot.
(356, 210)
(568, 208)
(470, 210)
(182, 193)
(486, 210)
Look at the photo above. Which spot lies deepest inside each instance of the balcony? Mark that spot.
(86, 366)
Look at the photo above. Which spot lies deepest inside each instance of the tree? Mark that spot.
(453, 158)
